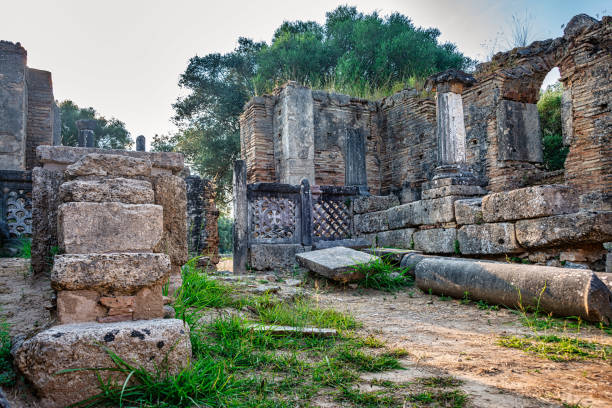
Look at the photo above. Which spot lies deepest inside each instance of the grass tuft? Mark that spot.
(558, 348)
(7, 375)
(382, 275)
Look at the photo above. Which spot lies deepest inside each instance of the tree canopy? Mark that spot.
(109, 133)
(354, 53)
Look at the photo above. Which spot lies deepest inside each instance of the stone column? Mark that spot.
(240, 217)
(140, 143)
(295, 146)
(86, 132)
(450, 130)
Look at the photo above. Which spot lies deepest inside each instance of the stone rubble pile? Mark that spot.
(109, 282)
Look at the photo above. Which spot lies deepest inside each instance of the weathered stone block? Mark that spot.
(371, 222)
(336, 263)
(171, 194)
(60, 156)
(151, 344)
(108, 165)
(469, 211)
(109, 227)
(401, 238)
(78, 306)
(423, 212)
(583, 227)
(529, 202)
(435, 241)
(128, 191)
(274, 256)
(487, 239)
(116, 273)
(373, 203)
(45, 200)
(354, 243)
(453, 190)
(518, 132)
(149, 303)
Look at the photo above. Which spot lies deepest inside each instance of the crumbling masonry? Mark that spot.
(462, 160)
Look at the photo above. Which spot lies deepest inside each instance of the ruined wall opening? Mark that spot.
(552, 115)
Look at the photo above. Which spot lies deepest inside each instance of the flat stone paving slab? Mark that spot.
(336, 263)
(285, 330)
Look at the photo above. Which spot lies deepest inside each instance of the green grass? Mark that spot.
(382, 275)
(7, 375)
(25, 250)
(304, 313)
(558, 348)
(454, 399)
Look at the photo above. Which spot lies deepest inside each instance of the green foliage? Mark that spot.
(549, 108)
(456, 247)
(226, 239)
(360, 54)
(383, 275)
(7, 375)
(303, 313)
(109, 133)
(25, 251)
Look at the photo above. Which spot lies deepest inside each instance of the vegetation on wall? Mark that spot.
(549, 108)
(109, 133)
(359, 54)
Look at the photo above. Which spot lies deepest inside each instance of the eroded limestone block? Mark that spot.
(45, 200)
(109, 227)
(401, 238)
(529, 202)
(435, 241)
(456, 190)
(149, 303)
(151, 344)
(171, 193)
(469, 211)
(582, 227)
(371, 222)
(487, 239)
(423, 212)
(274, 256)
(336, 263)
(78, 306)
(108, 165)
(368, 204)
(117, 273)
(128, 191)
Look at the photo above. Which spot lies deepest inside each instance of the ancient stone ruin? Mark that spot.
(454, 169)
(29, 117)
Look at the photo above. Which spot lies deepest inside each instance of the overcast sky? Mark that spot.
(124, 57)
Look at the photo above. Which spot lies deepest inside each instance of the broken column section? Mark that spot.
(108, 282)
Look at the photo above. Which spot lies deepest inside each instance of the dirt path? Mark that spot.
(460, 340)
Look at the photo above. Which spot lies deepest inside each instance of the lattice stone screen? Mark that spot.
(16, 202)
(332, 213)
(274, 213)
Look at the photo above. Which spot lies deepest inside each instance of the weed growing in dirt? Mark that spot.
(558, 348)
(7, 375)
(25, 249)
(383, 275)
(484, 305)
(454, 399)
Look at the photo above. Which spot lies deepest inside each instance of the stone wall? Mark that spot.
(202, 218)
(29, 116)
(547, 224)
(502, 131)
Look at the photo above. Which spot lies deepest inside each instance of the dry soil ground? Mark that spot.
(445, 336)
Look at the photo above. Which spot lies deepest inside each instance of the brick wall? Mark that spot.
(408, 124)
(256, 139)
(41, 109)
